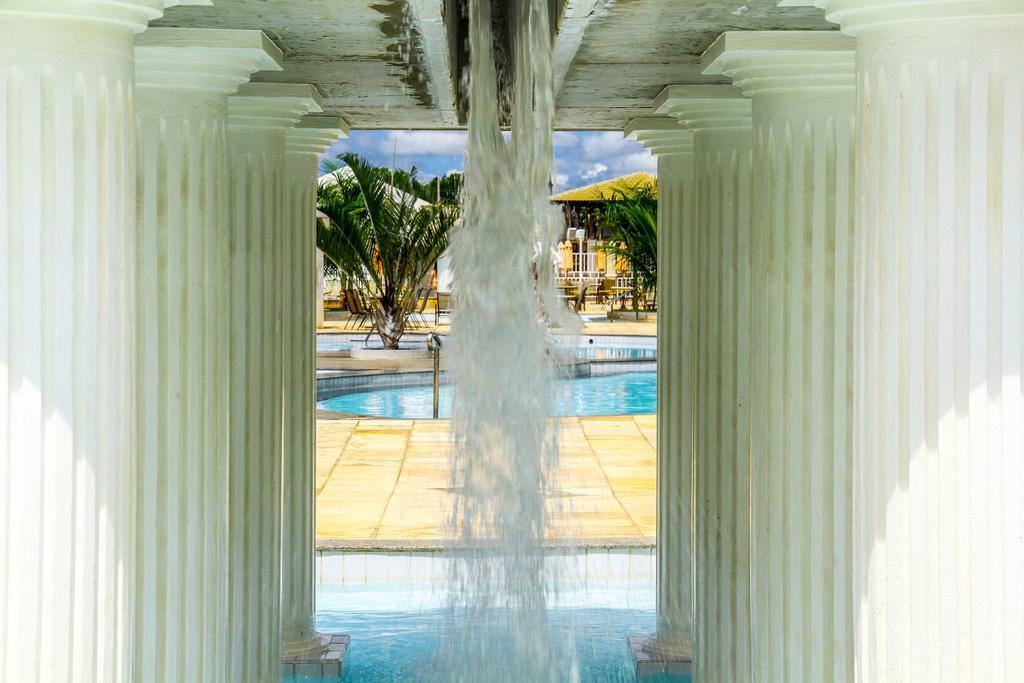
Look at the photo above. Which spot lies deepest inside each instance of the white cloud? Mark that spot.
(638, 161)
(413, 142)
(600, 145)
(600, 156)
(561, 180)
(563, 138)
(594, 171)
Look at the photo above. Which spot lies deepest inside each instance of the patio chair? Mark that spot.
(417, 317)
(579, 300)
(346, 303)
(443, 307)
(349, 305)
(357, 308)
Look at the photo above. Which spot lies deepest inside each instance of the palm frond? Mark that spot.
(632, 216)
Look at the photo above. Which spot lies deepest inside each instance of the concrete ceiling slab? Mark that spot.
(365, 56)
(635, 48)
(382, 63)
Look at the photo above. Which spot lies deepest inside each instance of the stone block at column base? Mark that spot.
(325, 665)
(650, 663)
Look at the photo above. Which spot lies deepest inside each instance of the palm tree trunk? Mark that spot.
(390, 327)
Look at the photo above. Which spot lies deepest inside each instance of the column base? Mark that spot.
(322, 665)
(650, 662)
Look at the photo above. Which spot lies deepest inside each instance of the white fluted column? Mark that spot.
(304, 144)
(939, 526)
(723, 147)
(258, 117)
(802, 87)
(67, 221)
(673, 145)
(183, 79)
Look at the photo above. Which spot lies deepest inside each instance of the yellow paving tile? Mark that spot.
(387, 480)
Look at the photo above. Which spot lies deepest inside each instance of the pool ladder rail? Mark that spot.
(434, 344)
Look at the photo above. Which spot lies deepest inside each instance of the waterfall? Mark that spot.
(505, 445)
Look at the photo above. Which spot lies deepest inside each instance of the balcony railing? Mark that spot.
(585, 263)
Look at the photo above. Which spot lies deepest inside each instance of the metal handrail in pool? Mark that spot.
(434, 344)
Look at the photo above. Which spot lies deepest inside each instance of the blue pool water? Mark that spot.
(630, 393)
(399, 647)
(397, 622)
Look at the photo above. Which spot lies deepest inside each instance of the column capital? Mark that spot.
(314, 134)
(706, 107)
(272, 106)
(661, 135)
(763, 62)
(858, 16)
(217, 60)
(132, 14)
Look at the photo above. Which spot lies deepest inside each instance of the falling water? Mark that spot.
(504, 446)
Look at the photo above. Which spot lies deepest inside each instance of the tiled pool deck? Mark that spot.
(383, 483)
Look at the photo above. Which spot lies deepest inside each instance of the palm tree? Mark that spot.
(632, 216)
(382, 238)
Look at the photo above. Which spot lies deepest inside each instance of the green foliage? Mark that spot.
(632, 218)
(451, 188)
(446, 189)
(381, 240)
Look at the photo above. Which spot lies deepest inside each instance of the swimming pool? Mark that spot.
(628, 393)
(397, 620)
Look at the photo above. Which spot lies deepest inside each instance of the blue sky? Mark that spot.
(580, 158)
